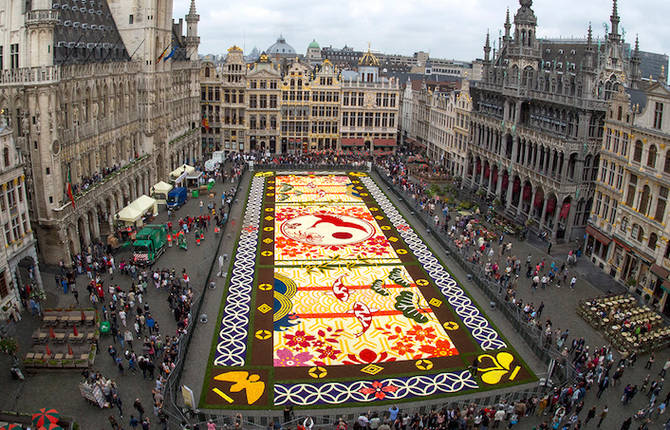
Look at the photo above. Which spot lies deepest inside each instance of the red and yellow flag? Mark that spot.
(69, 187)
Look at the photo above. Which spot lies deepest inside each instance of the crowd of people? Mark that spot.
(138, 343)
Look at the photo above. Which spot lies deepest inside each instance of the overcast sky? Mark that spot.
(445, 28)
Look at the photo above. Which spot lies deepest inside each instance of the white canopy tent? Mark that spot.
(160, 191)
(180, 173)
(133, 213)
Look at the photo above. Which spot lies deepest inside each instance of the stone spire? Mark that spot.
(192, 10)
(589, 38)
(487, 47)
(508, 26)
(614, 19)
(635, 71)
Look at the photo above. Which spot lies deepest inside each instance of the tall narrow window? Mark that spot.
(637, 154)
(651, 158)
(660, 204)
(14, 56)
(658, 115)
(632, 185)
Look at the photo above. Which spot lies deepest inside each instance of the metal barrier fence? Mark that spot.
(172, 384)
(531, 334)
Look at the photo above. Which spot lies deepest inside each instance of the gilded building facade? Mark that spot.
(307, 107)
(263, 118)
(90, 103)
(628, 235)
(537, 122)
(18, 255)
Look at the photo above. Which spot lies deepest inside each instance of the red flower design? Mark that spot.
(299, 338)
(379, 390)
(328, 352)
(442, 348)
(422, 333)
(402, 348)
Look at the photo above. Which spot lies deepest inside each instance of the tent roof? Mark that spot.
(162, 187)
(179, 170)
(136, 209)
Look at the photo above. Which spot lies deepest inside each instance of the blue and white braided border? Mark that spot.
(478, 325)
(232, 345)
(336, 393)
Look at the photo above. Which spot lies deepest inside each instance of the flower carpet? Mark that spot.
(333, 299)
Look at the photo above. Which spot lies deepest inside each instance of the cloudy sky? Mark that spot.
(445, 28)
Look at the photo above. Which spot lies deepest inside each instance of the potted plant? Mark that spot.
(8, 345)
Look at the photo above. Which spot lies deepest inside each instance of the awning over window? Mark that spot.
(352, 142)
(385, 142)
(598, 235)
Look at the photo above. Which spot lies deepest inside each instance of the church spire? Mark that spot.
(614, 19)
(508, 26)
(192, 10)
(589, 39)
(487, 47)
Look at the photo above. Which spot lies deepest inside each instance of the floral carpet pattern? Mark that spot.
(341, 303)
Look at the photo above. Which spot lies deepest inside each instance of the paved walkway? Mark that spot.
(560, 308)
(59, 389)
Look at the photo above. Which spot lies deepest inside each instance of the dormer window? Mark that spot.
(560, 52)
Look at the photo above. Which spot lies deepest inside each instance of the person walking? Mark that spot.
(650, 361)
(549, 248)
(590, 415)
(603, 414)
(138, 407)
(666, 366)
(573, 281)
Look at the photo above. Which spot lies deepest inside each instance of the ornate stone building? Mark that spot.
(263, 83)
(537, 122)
(210, 107)
(106, 95)
(628, 235)
(290, 106)
(370, 109)
(18, 259)
(233, 100)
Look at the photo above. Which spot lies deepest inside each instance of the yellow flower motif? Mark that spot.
(501, 366)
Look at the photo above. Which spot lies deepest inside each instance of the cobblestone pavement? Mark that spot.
(59, 389)
(560, 307)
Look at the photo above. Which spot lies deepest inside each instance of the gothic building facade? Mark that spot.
(537, 122)
(104, 98)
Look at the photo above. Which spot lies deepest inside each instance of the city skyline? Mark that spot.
(408, 27)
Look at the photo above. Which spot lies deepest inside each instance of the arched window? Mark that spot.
(624, 224)
(207, 72)
(5, 156)
(666, 167)
(619, 113)
(637, 153)
(651, 158)
(652, 241)
(637, 232)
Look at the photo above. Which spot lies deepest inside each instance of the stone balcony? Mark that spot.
(30, 76)
(44, 17)
(87, 199)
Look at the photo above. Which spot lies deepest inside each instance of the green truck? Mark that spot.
(149, 244)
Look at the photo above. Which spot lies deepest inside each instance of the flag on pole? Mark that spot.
(69, 186)
(171, 54)
(205, 123)
(160, 57)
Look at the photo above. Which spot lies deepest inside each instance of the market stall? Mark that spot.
(160, 191)
(136, 213)
(178, 176)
